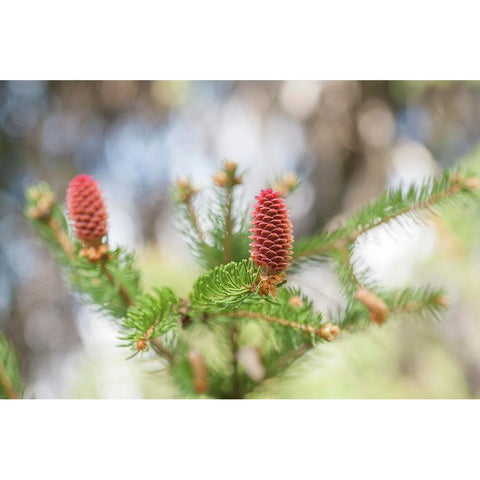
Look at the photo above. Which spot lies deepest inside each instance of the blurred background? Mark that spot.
(346, 140)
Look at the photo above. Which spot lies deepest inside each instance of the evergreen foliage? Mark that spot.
(153, 315)
(236, 328)
(226, 239)
(394, 205)
(10, 379)
(225, 287)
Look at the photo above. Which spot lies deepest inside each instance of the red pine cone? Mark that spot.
(272, 237)
(86, 209)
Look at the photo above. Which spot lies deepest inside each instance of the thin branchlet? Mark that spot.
(228, 225)
(123, 292)
(392, 205)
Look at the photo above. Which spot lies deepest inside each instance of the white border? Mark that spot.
(239, 439)
(252, 39)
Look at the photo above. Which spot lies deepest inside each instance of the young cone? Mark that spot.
(272, 238)
(87, 210)
(377, 308)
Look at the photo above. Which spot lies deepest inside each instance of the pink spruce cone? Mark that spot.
(272, 238)
(86, 209)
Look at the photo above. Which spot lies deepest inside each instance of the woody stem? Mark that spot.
(228, 225)
(193, 219)
(127, 299)
(269, 318)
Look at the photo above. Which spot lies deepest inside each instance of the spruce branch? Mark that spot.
(228, 225)
(108, 278)
(279, 321)
(122, 290)
(391, 206)
(152, 316)
(227, 179)
(290, 310)
(47, 218)
(257, 327)
(421, 302)
(10, 381)
(225, 287)
(427, 302)
(183, 197)
(6, 384)
(112, 284)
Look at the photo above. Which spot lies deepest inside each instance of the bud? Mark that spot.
(185, 190)
(472, 183)
(286, 184)
(376, 306)
(200, 372)
(141, 345)
(230, 166)
(272, 238)
(329, 331)
(94, 252)
(267, 284)
(295, 301)
(220, 179)
(87, 210)
(227, 177)
(41, 200)
(442, 300)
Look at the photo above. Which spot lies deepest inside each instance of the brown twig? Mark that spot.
(269, 318)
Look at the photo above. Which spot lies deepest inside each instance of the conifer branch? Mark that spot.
(392, 205)
(63, 239)
(192, 217)
(237, 298)
(123, 292)
(160, 349)
(45, 214)
(222, 212)
(280, 321)
(228, 225)
(10, 382)
(431, 194)
(421, 301)
(228, 179)
(6, 384)
(183, 199)
(225, 287)
(151, 318)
